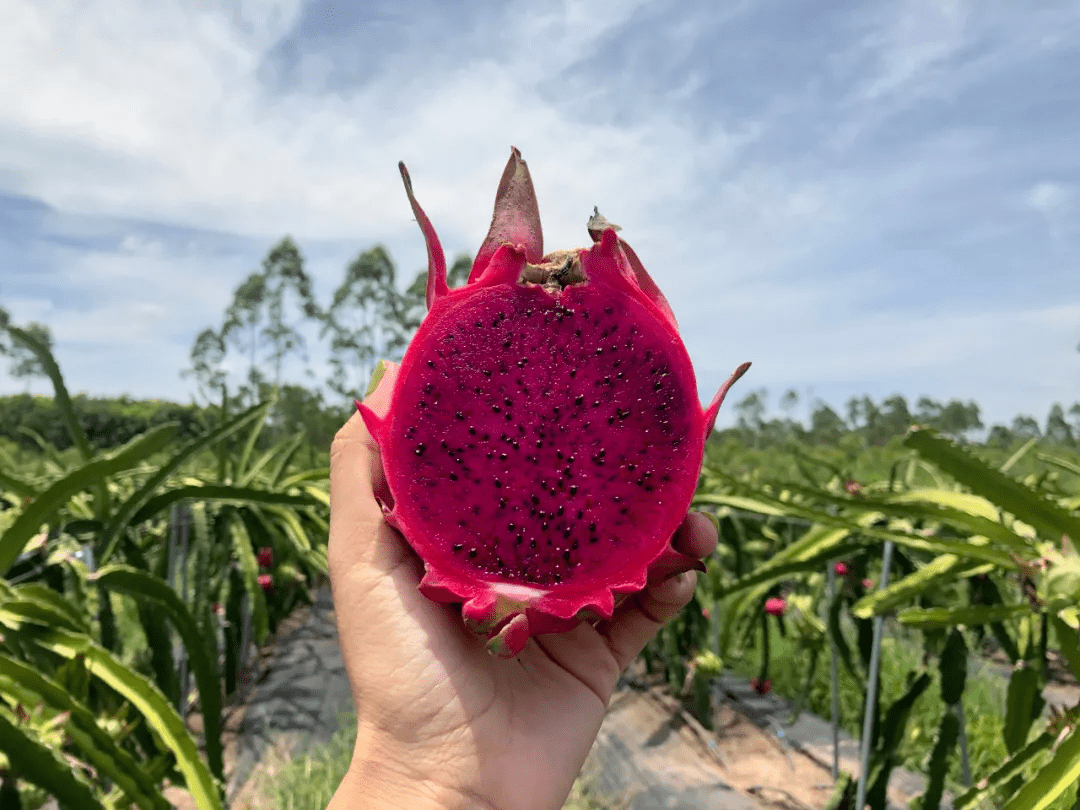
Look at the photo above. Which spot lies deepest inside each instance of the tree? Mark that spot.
(895, 417)
(256, 321)
(262, 323)
(207, 356)
(826, 425)
(367, 320)
(1025, 427)
(750, 410)
(1058, 430)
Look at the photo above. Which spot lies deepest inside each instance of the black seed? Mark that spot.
(594, 539)
(459, 415)
(535, 500)
(420, 448)
(506, 343)
(472, 431)
(472, 553)
(453, 476)
(502, 503)
(510, 527)
(502, 456)
(580, 514)
(495, 409)
(596, 403)
(631, 467)
(611, 420)
(579, 399)
(559, 511)
(573, 490)
(573, 373)
(431, 363)
(498, 484)
(486, 373)
(539, 443)
(456, 547)
(566, 555)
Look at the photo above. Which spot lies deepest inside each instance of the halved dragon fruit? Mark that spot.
(544, 438)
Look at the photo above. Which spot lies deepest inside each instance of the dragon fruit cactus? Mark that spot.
(544, 437)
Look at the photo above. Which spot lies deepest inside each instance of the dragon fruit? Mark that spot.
(544, 437)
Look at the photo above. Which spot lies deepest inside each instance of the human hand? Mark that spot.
(441, 723)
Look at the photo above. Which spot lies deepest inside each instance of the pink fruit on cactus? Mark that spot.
(265, 557)
(544, 437)
(841, 569)
(775, 606)
(266, 581)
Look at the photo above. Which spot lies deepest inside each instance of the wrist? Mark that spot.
(380, 779)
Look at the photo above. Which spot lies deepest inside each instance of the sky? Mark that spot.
(860, 198)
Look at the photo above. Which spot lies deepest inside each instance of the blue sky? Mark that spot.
(861, 198)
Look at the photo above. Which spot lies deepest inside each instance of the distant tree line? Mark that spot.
(873, 424)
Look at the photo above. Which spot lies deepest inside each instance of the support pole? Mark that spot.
(871, 687)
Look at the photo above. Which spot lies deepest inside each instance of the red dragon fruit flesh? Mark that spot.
(544, 437)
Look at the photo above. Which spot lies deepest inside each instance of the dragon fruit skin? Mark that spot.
(544, 437)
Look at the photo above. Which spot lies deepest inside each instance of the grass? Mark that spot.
(308, 782)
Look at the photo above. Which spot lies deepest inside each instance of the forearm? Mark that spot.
(377, 781)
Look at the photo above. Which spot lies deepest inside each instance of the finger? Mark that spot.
(356, 474)
(637, 620)
(696, 535)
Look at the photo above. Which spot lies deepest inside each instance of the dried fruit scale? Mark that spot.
(544, 438)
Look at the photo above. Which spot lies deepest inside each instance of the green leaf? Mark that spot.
(948, 733)
(63, 399)
(937, 572)
(201, 652)
(19, 487)
(216, 492)
(111, 761)
(53, 602)
(1013, 766)
(1023, 703)
(40, 765)
(244, 529)
(149, 701)
(1053, 779)
(120, 519)
(1069, 642)
(953, 667)
(970, 616)
(42, 508)
(1027, 504)
(863, 526)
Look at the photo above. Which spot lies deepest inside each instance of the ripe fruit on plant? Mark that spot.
(544, 437)
(775, 606)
